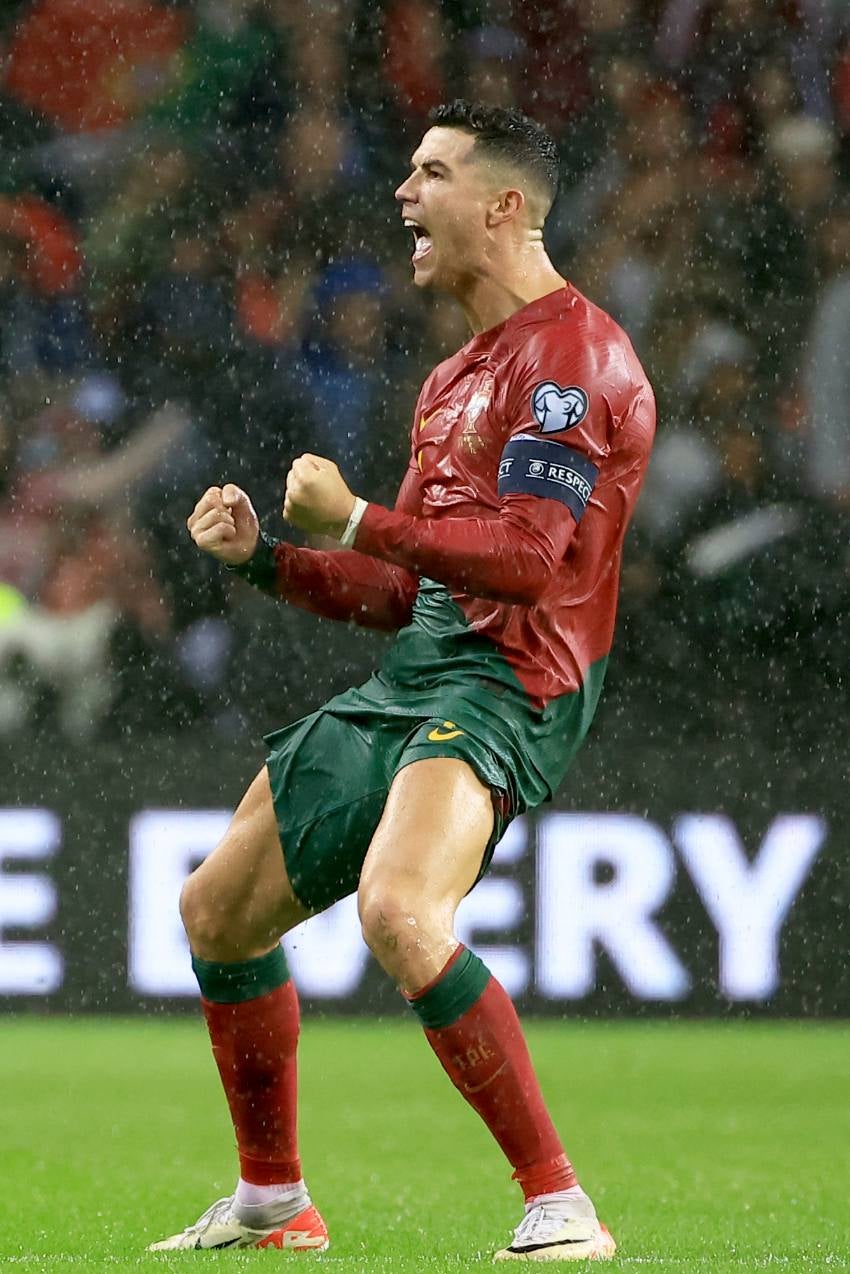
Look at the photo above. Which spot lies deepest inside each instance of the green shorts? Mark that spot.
(330, 774)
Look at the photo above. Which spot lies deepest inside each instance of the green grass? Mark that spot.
(706, 1147)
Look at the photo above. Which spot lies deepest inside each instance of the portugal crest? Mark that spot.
(470, 439)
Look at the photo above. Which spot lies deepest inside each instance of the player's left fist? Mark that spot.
(317, 497)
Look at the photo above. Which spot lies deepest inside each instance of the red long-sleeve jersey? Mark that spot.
(502, 554)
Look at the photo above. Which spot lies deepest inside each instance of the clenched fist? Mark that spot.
(317, 497)
(225, 525)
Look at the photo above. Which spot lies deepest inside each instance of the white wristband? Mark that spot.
(347, 537)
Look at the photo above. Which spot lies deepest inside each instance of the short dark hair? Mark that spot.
(505, 133)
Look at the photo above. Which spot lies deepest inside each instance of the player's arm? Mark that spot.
(546, 481)
(545, 486)
(342, 585)
(510, 558)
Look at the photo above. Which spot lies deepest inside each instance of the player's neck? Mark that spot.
(508, 285)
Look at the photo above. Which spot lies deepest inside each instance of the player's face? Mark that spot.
(444, 201)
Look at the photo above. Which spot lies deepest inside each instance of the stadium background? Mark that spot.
(202, 274)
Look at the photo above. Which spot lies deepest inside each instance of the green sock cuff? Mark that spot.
(454, 993)
(242, 979)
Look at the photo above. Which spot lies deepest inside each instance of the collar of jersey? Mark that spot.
(539, 311)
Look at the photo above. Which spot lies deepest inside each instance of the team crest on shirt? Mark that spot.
(556, 408)
(479, 401)
(470, 439)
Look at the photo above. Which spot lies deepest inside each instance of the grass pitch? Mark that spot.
(706, 1147)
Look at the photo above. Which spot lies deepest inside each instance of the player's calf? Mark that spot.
(234, 909)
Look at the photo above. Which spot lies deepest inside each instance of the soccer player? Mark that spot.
(499, 567)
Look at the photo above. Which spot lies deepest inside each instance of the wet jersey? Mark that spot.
(500, 562)
(543, 425)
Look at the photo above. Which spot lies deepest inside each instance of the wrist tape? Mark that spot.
(348, 536)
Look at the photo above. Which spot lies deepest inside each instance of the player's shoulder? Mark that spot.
(566, 348)
(567, 330)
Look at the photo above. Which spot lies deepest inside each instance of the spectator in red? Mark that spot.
(43, 324)
(94, 64)
(415, 40)
(53, 259)
(841, 83)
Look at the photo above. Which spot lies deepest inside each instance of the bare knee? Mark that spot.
(386, 919)
(207, 925)
(409, 936)
(215, 927)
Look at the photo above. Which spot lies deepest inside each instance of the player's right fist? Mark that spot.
(223, 523)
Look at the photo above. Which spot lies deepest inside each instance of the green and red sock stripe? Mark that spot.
(472, 1026)
(252, 1013)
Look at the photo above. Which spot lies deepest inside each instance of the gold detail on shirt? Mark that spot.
(470, 439)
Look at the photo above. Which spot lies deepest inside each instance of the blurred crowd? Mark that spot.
(203, 273)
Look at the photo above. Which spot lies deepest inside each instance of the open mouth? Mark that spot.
(422, 243)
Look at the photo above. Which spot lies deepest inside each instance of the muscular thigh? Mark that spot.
(425, 855)
(239, 901)
(435, 827)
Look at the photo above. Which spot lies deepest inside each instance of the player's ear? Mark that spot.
(507, 205)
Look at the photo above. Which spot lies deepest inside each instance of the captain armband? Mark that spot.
(532, 465)
(261, 568)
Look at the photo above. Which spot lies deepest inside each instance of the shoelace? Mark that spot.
(541, 1223)
(213, 1213)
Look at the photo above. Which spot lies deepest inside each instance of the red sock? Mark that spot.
(254, 1044)
(484, 1054)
